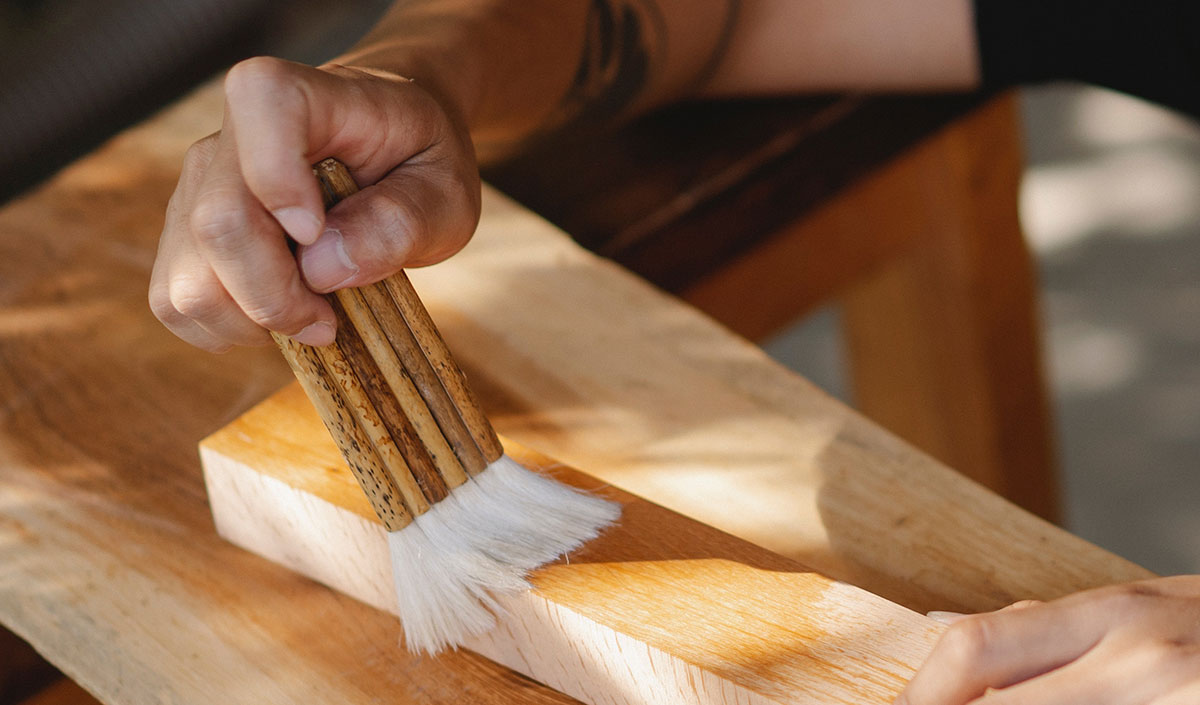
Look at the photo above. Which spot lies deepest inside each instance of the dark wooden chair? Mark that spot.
(902, 209)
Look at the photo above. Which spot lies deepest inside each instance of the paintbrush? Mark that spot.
(465, 523)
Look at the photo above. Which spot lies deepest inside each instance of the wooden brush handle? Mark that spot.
(389, 391)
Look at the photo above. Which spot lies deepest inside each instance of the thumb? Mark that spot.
(418, 215)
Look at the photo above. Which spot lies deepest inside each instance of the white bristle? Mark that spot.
(483, 540)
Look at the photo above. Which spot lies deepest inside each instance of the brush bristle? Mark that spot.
(482, 540)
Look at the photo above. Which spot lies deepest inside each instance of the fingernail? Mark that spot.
(304, 227)
(318, 334)
(326, 264)
(945, 617)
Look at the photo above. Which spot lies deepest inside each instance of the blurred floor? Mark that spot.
(1111, 206)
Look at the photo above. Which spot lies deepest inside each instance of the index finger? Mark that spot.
(249, 255)
(261, 92)
(999, 649)
(289, 116)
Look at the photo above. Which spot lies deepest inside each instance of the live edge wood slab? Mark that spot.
(109, 562)
(659, 610)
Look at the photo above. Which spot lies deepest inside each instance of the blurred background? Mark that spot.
(1111, 204)
(74, 72)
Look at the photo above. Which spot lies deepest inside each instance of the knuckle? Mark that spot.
(196, 299)
(1129, 600)
(218, 219)
(254, 72)
(274, 313)
(429, 115)
(1166, 656)
(461, 221)
(394, 213)
(968, 641)
(199, 154)
(1188, 656)
(471, 197)
(162, 308)
(1143, 589)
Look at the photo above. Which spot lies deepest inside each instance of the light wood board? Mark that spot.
(660, 609)
(109, 563)
(596, 368)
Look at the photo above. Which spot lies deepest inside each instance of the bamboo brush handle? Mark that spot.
(390, 393)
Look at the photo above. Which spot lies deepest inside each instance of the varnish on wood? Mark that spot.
(465, 523)
(659, 610)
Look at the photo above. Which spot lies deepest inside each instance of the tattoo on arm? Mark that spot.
(624, 48)
(732, 9)
(623, 42)
(623, 53)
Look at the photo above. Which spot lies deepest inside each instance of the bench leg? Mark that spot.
(944, 343)
(939, 299)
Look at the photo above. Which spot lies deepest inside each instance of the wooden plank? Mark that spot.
(109, 564)
(660, 609)
(666, 404)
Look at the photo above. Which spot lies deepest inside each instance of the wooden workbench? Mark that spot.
(109, 564)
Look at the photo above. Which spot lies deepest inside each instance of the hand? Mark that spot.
(224, 274)
(1122, 645)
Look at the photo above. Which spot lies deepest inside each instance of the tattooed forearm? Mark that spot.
(623, 61)
(518, 71)
(623, 40)
(732, 10)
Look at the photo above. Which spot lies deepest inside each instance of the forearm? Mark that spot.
(436, 86)
(513, 69)
(791, 46)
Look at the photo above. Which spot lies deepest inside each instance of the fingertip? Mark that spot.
(299, 223)
(316, 334)
(946, 617)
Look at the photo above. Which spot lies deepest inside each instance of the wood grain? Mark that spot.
(659, 609)
(669, 406)
(109, 564)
